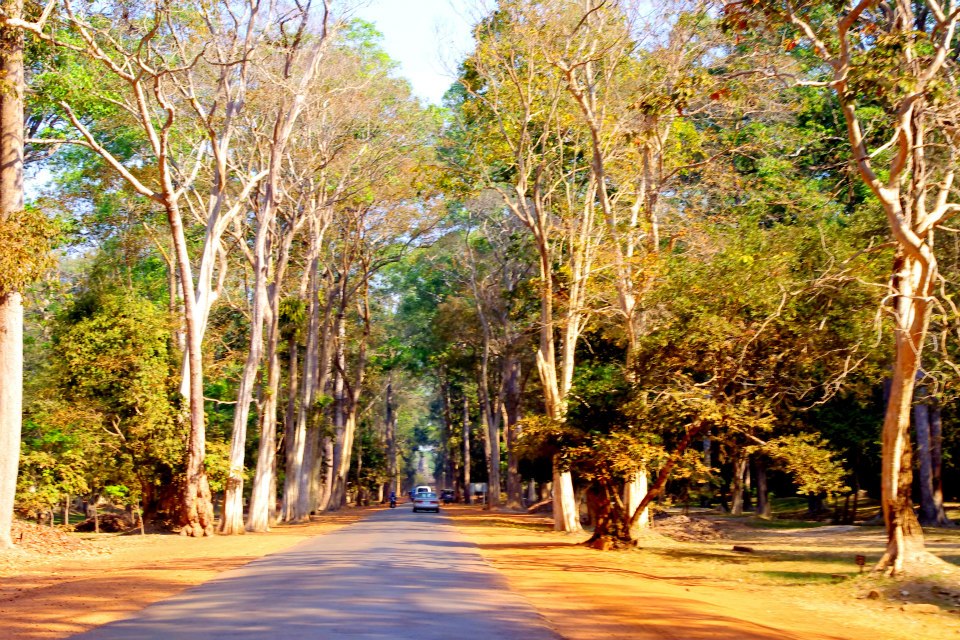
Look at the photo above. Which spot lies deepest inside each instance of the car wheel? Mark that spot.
(415, 510)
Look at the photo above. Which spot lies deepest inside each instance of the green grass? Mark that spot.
(804, 577)
(784, 523)
(794, 511)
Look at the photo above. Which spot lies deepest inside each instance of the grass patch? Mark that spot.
(782, 523)
(798, 578)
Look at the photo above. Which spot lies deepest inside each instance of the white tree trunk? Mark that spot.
(263, 493)
(334, 488)
(565, 515)
(11, 304)
(11, 402)
(231, 521)
(633, 493)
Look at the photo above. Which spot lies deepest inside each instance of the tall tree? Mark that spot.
(11, 302)
(298, 65)
(514, 110)
(891, 64)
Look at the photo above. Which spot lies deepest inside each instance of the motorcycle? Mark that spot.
(393, 503)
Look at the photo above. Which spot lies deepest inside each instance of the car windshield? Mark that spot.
(427, 496)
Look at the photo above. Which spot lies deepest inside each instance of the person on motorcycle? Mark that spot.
(393, 498)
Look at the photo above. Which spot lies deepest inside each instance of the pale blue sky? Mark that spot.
(427, 37)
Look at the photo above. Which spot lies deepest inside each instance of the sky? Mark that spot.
(427, 37)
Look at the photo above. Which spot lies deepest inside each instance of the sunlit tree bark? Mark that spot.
(11, 304)
(913, 182)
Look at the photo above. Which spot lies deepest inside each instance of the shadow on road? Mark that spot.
(393, 575)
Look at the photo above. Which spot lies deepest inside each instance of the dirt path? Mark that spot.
(44, 596)
(679, 591)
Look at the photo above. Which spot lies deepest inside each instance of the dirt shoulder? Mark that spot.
(78, 583)
(794, 585)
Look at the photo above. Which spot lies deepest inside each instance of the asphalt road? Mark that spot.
(394, 574)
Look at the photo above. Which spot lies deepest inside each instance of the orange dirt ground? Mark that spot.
(106, 577)
(696, 591)
(692, 590)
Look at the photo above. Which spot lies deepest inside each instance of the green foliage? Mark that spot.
(810, 462)
(27, 238)
(217, 464)
(49, 469)
(107, 417)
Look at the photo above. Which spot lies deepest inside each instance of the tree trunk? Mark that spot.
(633, 492)
(467, 493)
(340, 409)
(322, 473)
(300, 452)
(196, 507)
(390, 433)
(921, 425)
(483, 434)
(340, 481)
(491, 419)
(611, 524)
(737, 483)
(913, 284)
(448, 427)
(763, 493)
(565, 514)
(11, 401)
(320, 477)
(352, 399)
(261, 497)
(564, 502)
(936, 463)
(511, 403)
(232, 519)
(931, 504)
(11, 304)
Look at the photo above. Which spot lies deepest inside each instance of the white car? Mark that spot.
(423, 489)
(426, 502)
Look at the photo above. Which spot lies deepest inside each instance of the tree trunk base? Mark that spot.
(231, 518)
(914, 564)
(612, 524)
(609, 543)
(196, 513)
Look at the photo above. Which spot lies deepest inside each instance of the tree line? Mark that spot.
(641, 252)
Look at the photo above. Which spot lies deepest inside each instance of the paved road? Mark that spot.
(393, 575)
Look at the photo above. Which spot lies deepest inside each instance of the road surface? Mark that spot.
(393, 575)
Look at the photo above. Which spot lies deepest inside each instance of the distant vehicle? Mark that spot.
(426, 502)
(448, 496)
(423, 489)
